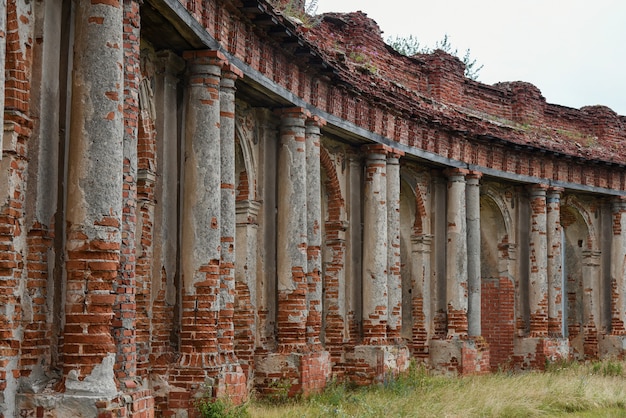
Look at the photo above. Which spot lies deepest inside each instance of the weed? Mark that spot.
(220, 408)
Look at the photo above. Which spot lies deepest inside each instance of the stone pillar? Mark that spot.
(375, 297)
(292, 231)
(538, 280)
(314, 234)
(166, 236)
(225, 332)
(472, 194)
(591, 302)
(554, 262)
(246, 320)
(394, 281)
(201, 214)
(618, 268)
(94, 199)
(456, 254)
(420, 302)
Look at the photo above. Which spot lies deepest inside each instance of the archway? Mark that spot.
(581, 283)
(497, 285)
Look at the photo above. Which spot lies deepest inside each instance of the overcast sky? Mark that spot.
(574, 51)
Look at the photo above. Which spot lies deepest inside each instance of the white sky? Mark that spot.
(574, 51)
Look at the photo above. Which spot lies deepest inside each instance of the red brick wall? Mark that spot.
(498, 319)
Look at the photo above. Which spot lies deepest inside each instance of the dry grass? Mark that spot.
(586, 390)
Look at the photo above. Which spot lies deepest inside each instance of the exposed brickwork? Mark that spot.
(125, 309)
(498, 320)
(168, 267)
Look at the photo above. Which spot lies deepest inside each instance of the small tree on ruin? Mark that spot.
(410, 45)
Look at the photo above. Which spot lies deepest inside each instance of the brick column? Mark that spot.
(3, 40)
(394, 281)
(335, 292)
(420, 301)
(375, 298)
(618, 267)
(538, 280)
(125, 310)
(472, 194)
(292, 231)
(225, 332)
(201, 214)
(456, 254)
(554, 262)
(314, 235)
(94, 199)
(232, 380)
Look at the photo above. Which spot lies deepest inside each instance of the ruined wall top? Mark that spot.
(348, 53)
(353, 41)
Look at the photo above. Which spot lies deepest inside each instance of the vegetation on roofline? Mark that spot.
(410, 45)
(306, 16)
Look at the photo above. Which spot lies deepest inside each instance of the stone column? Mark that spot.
(618, 267)
(225, 332)
(246, 320)
(94, 199)
(472, 194)
(314, 235)
(538, 280)
(420, 303)
(394, 281)
(201, 214)
(375, 299)
(456, 254)
(166, 234)
(591, 300)
(554, 262)
(292, 231)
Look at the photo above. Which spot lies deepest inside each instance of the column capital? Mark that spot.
(456, 173)
(230, 72)
(474, 175)
(554, 194)
(205, 57)
(315, 121)
(380, 149)
(618, 203)
(293, 116)
(538, 190)
(422, 239)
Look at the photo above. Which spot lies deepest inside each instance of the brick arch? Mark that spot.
(572, 205)
(498, 301)
(497, 198)
(582, 296)
(421, 215)
(336, 204)
(420, 211)
(246, 184)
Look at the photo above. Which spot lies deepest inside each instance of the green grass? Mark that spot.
(567, 389)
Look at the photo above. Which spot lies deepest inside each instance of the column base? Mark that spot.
(533, 353)
(458, 356)
(199, 375)
(369, 364)
(611, 346)
(129, 404)
(290, 374)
